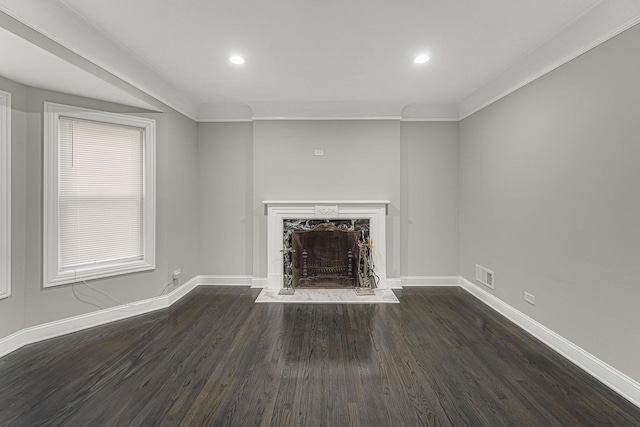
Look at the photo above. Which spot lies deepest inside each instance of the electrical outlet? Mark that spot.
(176, 274)
(318, 152)
(531, 299)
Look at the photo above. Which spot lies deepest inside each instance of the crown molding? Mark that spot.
(224, 112)
(221, 120)
(59, 30)
(56, 28)
(327, 110)
(422, 113)
(603, 21)
(430, 119)
(333, 118)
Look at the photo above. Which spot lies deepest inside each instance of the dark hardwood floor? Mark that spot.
(439, 357)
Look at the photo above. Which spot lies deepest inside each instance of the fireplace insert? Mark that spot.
(326, 256)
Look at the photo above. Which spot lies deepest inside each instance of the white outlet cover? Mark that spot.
(318, 152)
(531, 299)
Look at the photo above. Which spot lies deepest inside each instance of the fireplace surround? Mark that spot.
(374, 211)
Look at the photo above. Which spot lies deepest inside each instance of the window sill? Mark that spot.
(74, 276)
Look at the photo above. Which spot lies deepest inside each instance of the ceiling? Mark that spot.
(305, 59)
(23, 62)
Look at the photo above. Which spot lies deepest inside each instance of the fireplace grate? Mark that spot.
(325, 257)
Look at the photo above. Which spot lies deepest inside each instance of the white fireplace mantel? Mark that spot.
(278, 210)
(326, 202)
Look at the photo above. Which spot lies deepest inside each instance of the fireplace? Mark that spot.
(325, 256)
(363, 221)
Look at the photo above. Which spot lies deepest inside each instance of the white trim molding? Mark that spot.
(96, 318)
(394, 283)
(603, 372)
(53, 274)
(278, 210)
(78, 39)
(608, 375)
(225, 280)
(5, 194)
(259, 282)
(605, 20)
(429, 281)
(325, 118)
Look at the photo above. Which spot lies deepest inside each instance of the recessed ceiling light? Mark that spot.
(421, 59)
(238, 60)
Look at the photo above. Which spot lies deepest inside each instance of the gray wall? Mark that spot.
(211, 180)
(181, 180)
(412, 164)
(544, 183)
(429, 207)
(225, 171)
(12, 308)
(176, 215)
(361, 161)
(549, 199)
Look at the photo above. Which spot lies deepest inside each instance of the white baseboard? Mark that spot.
(394, 283)
(608, 375)
(430, 281)
(225, 280)
(259, 282)
(181, 292)
(617, 381)
(84, 321)
(11, 343)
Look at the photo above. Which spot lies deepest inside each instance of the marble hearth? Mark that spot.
(327, 296)
(370, 212)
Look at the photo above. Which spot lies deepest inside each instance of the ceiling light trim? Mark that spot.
(421, 59)
(237, 60)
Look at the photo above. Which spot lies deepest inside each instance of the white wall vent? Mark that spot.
(484, 276)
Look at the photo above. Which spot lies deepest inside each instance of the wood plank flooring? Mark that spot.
(439, 358)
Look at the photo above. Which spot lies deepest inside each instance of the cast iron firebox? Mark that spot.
(325, 257)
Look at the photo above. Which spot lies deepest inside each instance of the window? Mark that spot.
(99, 194)
(5, 195)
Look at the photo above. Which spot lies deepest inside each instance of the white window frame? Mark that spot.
(5, 195)
(53, 274)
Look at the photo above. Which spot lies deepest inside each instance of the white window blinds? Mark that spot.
(100, 193)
